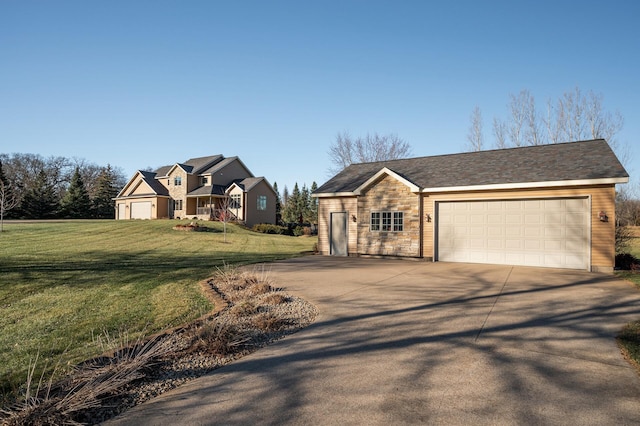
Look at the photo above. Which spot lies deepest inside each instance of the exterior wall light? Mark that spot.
(353, 218)
(428, 216)
(603, 216)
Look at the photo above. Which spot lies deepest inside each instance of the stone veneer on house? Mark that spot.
(388, 194)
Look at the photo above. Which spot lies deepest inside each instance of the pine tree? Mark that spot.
(278, 203)
(291, 211)
(40, 200)
(76, 203)
(303, 205)
(313, 204)
(106, 190)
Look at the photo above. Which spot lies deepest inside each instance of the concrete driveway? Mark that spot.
(408, 342)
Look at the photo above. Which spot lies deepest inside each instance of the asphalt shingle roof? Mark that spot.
(248, 183)
(584, 160)
(150, 179)
(207, 190)
(199, 164)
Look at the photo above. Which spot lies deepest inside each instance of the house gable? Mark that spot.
(391, 196)
(386, 172)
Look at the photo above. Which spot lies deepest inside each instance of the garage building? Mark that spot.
(548, 205)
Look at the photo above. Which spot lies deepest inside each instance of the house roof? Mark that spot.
(149, 178)
(205, 190)
(200, 164)
(247, 183)
(555, 164)
(163, 171)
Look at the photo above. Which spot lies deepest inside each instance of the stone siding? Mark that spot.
(389, 195)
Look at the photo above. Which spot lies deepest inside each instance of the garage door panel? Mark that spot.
(141, 210)
(540, 232)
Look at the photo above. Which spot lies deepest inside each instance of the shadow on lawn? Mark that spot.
(512, 349)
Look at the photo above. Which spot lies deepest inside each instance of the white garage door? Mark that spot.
(141, 210)
(546, 232)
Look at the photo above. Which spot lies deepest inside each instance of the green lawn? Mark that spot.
(629, 337)
(62, 284)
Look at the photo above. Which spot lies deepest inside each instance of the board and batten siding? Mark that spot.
(602, 198)
(326, 206)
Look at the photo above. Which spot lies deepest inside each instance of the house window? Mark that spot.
(204, 180)
(177, 181)
(177, 204)
(398, 221)
(235, 201)
(387, 221)
(262, 202)
(375, 221)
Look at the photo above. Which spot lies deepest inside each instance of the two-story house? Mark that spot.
(202, 188)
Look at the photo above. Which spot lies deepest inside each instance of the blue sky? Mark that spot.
(148, 83)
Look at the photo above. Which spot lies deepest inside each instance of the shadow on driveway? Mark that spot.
(403, 342)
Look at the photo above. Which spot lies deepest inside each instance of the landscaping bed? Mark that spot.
(250, 313)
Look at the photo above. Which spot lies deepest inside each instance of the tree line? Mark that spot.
(298, 206)
(35, 187)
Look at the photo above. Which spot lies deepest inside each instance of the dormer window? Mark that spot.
(177, 181)
(204, 180)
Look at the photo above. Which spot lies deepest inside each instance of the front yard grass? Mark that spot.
(62, 284)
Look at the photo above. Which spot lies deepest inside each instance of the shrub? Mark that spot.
(218, 339)
(627, 261)
(267, 228)
(298, 231)
(275, 299)
(267, 321)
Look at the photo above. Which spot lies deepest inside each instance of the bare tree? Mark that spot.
(500, 133)
(475, 137)
(225, 214)
(8, 200)
(346, 150)
(573, 116)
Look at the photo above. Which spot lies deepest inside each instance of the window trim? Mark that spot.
(261, 203)
(386, 221)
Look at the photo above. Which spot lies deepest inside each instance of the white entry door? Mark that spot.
(539, 232)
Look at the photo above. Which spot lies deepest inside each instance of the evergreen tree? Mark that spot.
(313, 204)
(40, 200)
(106, 190)
(76, 203)
(291, 213)
(303, 205)
(278, 203)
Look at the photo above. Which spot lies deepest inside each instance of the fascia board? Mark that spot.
(526, 185)
(386, 171)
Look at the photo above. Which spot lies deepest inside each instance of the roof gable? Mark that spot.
(543, 165)
(387, 172)
(143, 178)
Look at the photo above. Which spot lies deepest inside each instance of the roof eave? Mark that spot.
(334, 194)
(526, 185)
(386, 171)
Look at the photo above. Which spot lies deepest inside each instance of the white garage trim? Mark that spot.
(547, 232)
(141, 210)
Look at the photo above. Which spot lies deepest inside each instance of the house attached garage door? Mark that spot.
(141, 210)
(545, 232)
